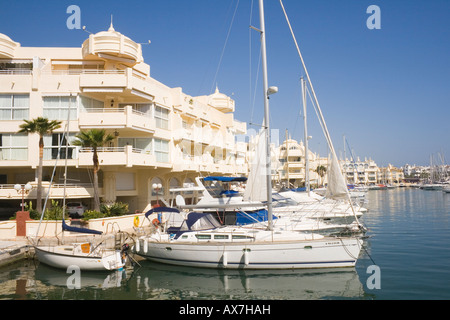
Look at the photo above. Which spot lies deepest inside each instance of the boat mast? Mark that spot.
(266, 113)
(307, 185)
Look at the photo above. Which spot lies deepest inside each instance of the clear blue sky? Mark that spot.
(386, 90)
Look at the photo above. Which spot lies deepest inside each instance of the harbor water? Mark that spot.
(408, 242)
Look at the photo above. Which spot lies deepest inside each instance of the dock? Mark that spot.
(13, 250)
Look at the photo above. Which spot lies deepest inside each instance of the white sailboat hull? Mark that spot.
(61, 257)
(326, 253)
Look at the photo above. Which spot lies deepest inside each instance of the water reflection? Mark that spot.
(49, 277)
(173, 282)
(30, 280)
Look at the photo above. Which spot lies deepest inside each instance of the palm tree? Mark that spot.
(321, 170)
(41, 126)
(94, 138)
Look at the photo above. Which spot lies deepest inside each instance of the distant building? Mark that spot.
(360, 172)
(290, 165)
(391, 175)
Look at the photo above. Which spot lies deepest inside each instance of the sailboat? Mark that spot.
(85, 255)
(201, 242)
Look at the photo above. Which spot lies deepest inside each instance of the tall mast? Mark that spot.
(307, 185)
(266, 114)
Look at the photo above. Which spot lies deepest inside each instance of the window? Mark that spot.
(220, 236)
(13, 146)
(16, 67)
(88, 104)
(161, 150)
(55, 146)
(141, 108)
(14, 106)
(144, 145)
(203, 236)
(162, 117)
(241, 237)
(125, 181)
(57, 108)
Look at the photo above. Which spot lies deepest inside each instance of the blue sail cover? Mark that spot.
(66, 227)
(160, 209)
(196, 221)
(298, 189)
(243, 218)
(225, 179)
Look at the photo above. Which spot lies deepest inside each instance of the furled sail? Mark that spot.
(66, 227)
(336, 188)
(256, 189)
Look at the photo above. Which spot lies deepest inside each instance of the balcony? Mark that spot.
(112, 45)
(18, 80)
(129, 83)
(103, 80)
(296, 164)
(7, 46)
(73, 191)
(117, 118)
(201, 163)
(120, 156)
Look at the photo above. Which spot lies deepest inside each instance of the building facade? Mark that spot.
(163, 137)
(360, 172)
(291, 165)
(290, 157)
(391, 175)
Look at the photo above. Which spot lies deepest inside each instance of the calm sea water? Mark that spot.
(409, 236)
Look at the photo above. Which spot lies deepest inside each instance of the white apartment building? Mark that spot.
(161, 134)
(360, 172)
(291, 165)
(391, 175)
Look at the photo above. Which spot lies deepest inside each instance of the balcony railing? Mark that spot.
(117, 117)
(16, 71)
(81, 71)
(128, 156)
(103, 149)
(72, 190)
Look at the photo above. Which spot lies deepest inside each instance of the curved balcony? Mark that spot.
(7, 46)
(112, 45)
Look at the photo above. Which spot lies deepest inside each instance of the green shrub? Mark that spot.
(55, 212)
(92, 214)
(114, 210)
(34, 214)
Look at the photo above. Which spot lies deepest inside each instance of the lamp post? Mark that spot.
(22, 216)
(23, 189)
(157, 187)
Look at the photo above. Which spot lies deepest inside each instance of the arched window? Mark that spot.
(174, 183)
